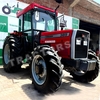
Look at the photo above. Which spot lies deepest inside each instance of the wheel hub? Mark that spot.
(39, 71)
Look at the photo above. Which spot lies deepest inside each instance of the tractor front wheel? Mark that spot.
(46, 69)
(88, 76)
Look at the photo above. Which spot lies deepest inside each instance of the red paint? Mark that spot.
(63, 42)
(32, 6)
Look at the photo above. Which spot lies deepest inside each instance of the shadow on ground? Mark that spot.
(70, 79)
(66, 88)
(24, 73)
(32, 93)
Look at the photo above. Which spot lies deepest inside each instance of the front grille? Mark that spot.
(80, 51)
(81, 44)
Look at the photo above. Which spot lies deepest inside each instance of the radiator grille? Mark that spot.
(81, 44)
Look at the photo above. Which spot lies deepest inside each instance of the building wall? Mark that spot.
(51, 4)
(84, 10)
(86, 15)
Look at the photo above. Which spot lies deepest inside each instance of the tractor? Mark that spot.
(49, 51)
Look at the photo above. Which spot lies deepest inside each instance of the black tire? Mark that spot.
(89, 75)
(4, 10)
(14, 50)
(53, 75)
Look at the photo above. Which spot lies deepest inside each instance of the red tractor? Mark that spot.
(49, 50)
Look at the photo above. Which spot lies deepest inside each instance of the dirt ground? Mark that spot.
(17, 86)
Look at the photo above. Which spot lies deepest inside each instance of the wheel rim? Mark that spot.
(6, 54)
(39, 71)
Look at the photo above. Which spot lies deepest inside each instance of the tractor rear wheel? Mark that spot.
(88, 76)
(46, 69)
(12, 49)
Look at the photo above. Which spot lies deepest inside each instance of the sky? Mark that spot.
(98, 1)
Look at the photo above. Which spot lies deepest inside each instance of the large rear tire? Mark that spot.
(88, 76)
(12, 49)
(46, 69)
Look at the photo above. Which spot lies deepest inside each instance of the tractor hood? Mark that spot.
(69, 43)
(55, 36)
